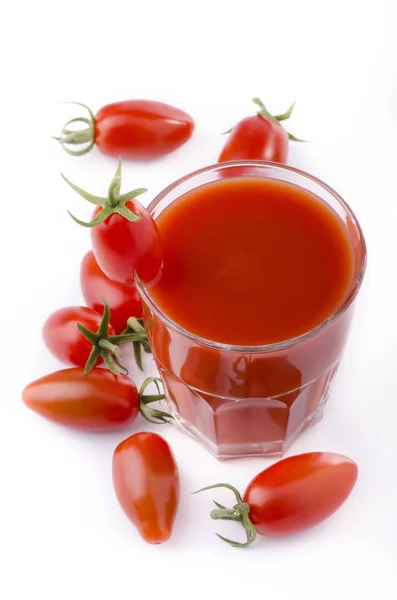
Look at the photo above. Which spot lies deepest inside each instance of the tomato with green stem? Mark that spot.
(125, 238)
(146, 482)
(79, 336)
(99, 401)
(138, 129)
(124, 301)
(259, 137)
(64, 339)
(292, 495)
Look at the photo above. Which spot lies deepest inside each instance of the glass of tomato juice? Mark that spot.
(249, 319)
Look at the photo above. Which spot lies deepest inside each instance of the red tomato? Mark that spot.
(260, 137)
(292, 495)
(146, 482)
(124, 300)
(256, 138)
(64, 340)
(299, 492)
(122, 247)
(139, 129)
(125, 238)
(99, 401)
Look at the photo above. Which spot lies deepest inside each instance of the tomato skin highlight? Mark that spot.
(141, 129)
(299, 492)
(146, 482)
(99, 401)
(122, 247)
(65, 341)
(124, 300)
(256, 138)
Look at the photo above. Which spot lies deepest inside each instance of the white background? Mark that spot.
(62, 534)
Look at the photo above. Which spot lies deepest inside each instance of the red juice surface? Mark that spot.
(252, 261)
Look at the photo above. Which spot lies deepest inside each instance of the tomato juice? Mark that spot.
(252, 261)
(248, 321)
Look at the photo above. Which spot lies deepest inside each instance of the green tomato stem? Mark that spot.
(105, 345)
(152, 414)
(79, 137)
(276, 118)
(239, 513)
(114, 203)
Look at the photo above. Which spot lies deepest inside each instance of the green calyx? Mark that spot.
(239, 513)
(152, 414)
(106, 346)
(85, 137)
(114, 203)
(276, 118)
(137, 326)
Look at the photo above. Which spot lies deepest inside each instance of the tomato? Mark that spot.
(79, 336)
(140, 129)
(63, 338)
(124, 300)
(146, 482)
(299, 492)
(259, 137)
(292, 495)
(125, 238)
(99, 401)
(123, 247)
(256, 138)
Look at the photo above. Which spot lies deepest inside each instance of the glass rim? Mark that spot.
(275, 346)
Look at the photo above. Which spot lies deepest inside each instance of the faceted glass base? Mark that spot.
(247, 427)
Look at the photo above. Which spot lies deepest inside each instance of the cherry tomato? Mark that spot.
(123, 247)
(299, 492)
(256, 138)
(146, 482)
(63, 338)
(124, 300)
(259, 137)
(140, 129)
(125, 238)
(292, 495)
(99, 401)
